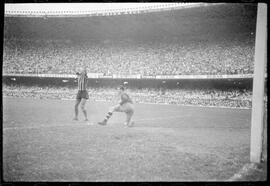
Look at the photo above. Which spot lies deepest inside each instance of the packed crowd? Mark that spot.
(126, 58)
(199, 97)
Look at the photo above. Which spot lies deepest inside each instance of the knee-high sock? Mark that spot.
(109, 114)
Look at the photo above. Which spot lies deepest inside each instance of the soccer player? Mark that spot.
(82, 94)
(125, 105)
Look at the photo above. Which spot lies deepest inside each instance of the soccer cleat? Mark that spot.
(75, 119)
(86, 119)
(102, 122)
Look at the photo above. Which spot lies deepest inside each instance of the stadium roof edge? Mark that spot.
(92, 9)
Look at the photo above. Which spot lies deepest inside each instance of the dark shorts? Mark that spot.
(82, 94)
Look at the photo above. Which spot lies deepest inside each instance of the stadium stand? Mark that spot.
(197, 97)
(149, 41)
(58, 57)
(152, 43)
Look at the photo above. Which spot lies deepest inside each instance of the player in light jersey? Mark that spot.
(82, 94)
(125, 105)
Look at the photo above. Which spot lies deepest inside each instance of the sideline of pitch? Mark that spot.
(85, 123)
(41, 126)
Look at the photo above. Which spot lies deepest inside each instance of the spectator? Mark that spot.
(171, 58)
(200, 97)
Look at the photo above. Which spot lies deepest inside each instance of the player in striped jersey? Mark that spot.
(82, 94)
(125, 105)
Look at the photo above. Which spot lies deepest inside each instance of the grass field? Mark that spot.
(167, 142)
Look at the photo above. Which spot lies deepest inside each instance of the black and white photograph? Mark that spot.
(134, 92)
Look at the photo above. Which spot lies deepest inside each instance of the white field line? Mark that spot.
(85, 123)
(42, 126)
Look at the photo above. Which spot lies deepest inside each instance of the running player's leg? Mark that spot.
(76, 108)
(116, 108)
(129, 110)
(128, 118)
(83, 101)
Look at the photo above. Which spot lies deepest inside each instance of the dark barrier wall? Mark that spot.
(245, 83)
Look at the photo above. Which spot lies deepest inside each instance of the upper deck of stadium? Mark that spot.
(181, 38)
(91, 9)
(137, 20)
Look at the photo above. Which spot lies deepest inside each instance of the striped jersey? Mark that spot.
(125, 99)
(82, 81)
